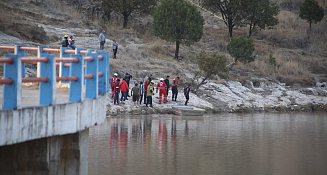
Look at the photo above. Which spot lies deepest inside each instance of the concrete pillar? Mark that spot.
(66, 154)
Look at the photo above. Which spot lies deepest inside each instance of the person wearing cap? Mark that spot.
(167, 83)
(174, 88)
(187, 89)
(102, 39)
(64, 42)
(162, 90)
(149, 93)
(116, 92)
(113, 81)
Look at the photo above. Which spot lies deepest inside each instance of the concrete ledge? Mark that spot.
(188, 111)
(31, 123)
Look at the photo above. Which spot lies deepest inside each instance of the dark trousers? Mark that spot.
(115, 52)
(123, 96)
(187, 98)
(116, 98)
(167, 89)
(141, 98)
(144, 97)
(175, 93)
(149, 100)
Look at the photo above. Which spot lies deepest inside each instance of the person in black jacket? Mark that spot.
(187, 89)
(64, 42)
(167, 84)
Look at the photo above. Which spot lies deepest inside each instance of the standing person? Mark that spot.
(146, 84)
(128, 78)
(64, 42)
(162, 90)
(174, 88)
(116, 91)
(113, 82)
(187, 89)
(135, 94)
(149, 94)
(167, 84)
(114, 48)
(141, 87)
(71, 42)
(102, 39)
(124, 90)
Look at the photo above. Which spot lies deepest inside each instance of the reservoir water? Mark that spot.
(246, 144)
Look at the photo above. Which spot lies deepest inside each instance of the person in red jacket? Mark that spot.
(124, 90)
(113, 82)
(117, 91)
(162, 90)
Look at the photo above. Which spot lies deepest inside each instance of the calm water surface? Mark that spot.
(246, 144)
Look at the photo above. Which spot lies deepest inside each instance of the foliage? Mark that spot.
(127, 7)
(311, 11)
(211, 65)
(260, 14)
(178, 21)
(241, 49)
(232, 11)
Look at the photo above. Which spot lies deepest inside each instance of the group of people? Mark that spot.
(68, 42)
(143, 91)
(102, 41)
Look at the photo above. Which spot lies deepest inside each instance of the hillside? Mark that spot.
(300, 57)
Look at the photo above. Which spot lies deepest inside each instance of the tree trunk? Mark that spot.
(250, 31)
(310, 22)
(230, 31)
(177, 49)
(125, 21)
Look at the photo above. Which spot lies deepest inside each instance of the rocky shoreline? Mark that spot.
(234, 97)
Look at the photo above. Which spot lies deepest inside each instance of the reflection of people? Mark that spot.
(102, 39)
(114, 48)
(162, 135)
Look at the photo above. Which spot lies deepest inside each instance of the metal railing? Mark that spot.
(80, 68)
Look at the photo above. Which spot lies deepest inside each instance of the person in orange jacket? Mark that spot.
(124, 90)
(162, 90)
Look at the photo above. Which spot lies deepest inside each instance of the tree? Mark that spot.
(127, 7)
(311, 11)
(232, 11)
(178, 21)
(211, 65)
(260, 14)
(241, 49)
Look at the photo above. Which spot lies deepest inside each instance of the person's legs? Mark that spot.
(122, 96)
(176, 95)
(145, 98)
(160, 96)
(187, 98)
(101, 46)
(141, 98)
(165, 96)
(150, 99)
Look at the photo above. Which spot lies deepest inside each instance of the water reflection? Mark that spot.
(229, 144)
